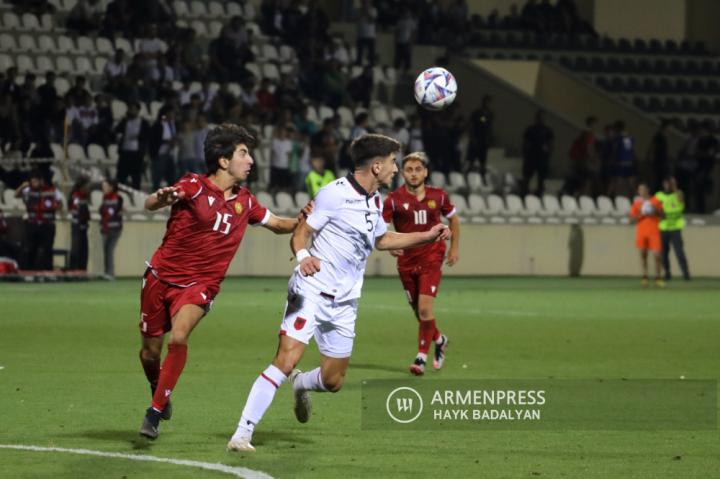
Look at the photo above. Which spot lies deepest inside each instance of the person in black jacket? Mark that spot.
(132, 133)
(163, 140)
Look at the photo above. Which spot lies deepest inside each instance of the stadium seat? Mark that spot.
(119, 108)
(460, 203)
(197, 9)
(11, 21)
(476, 205)
(64, 65)
(216, 10)
(604, 206)
(125, 45)
(234, 9)
(457, 181)
(62, 85)
(181, 8)
(346, 116)
(113, 151)
(495, 205)
(83, 65)
(24, 63)
(301, 199)
(66, 44)
(266, 200)
(437, 179)
(569, 205)
(514, 205)
(26, 43)
(551, 206)
(586, 206)
(7, 42)
(284, 203)
(199, 27)
(622, 207)
(9, 199)
(96, 153)
(379, 116)
(76, 152)
(85, 45)
(533, 206)
(325, 112)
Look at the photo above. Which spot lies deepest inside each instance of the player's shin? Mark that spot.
(259, 400)
(310, 381)
(169, 374)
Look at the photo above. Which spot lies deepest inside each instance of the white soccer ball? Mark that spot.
(435, 88)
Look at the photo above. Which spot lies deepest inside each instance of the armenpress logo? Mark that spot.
(404, 405)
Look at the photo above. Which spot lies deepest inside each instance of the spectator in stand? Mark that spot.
(9, 121)
(162, 76)
(85, 16)
(117, 19)
(10, 85)
(266, 100)
(404, 35)
(133, 134)
(400, 133)
(150, 47)
(584, 176)
(606, 147)
(360, 88)
(192, 57)
(162, 143)
(115, 73)
(480, 136)
(281, 149)
(79, 218)
(360, 128)
(687, 163)
(304, 124)
(324, 143)
(625, 161)
(659, 156)
(79, 90)
(87, 119)
(416, 135)
(111, 219)
(513, 20)
(537, 147)
(47, 93)
(366, 32)
(335, 85)
(187, 161)
(318, 177)
(200, 132)
(707, 150)
(299, 158)
(339, 52)
(41, 201)
(9, 248)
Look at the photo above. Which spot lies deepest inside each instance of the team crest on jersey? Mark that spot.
(299, 323)
(211, 200)
(238, 208)
(406, 205)
(432, 204)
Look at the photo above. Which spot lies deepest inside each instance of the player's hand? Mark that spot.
(309, 266)
(169, 195)
(307, 209)
(397, 252)
(439, 232)
(452, 257)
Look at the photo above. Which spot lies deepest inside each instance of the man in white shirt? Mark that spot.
(345, 224)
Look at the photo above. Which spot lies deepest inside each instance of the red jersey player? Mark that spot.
(417, 207)
(208, 219)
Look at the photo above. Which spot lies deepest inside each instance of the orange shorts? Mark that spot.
(648, 240)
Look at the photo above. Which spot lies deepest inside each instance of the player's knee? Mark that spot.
(178, 337)
(150, 353)
(425, 313)
(333, 383)
(286, 362)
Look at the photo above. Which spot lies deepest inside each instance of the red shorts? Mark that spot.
(423, 279)
(160, 301)
(648, 240)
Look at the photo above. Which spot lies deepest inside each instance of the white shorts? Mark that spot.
(331, 323)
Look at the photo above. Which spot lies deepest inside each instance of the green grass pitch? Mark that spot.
(71, 378)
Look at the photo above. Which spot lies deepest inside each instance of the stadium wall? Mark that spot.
(648, 19)
(484, 250)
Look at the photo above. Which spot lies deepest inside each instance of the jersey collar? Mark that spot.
(354, 183)
(213, 187)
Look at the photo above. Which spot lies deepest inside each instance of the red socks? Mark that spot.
(169, 373)
(426, 335)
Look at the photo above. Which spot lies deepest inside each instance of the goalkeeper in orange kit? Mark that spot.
(646, 212)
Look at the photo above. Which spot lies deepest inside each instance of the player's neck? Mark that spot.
(367, 180)
(418, 190)
(223, 181)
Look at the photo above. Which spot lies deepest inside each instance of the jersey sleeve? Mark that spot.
(446, 207)
(259, 215)
(191, 185)
(388, 208)
(380, 226)
(635, 209)
(325, 205)
(658, 205)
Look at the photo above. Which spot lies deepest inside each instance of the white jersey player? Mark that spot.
(346, 224)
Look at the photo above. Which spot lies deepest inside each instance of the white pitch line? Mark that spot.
(233, 471)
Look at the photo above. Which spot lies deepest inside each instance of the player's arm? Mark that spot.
(281, 225)
(164, 197)
(309, 265)
(452, 256)
(393, 240)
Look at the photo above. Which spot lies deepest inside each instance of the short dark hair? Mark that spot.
(370, 146)
(221, 142)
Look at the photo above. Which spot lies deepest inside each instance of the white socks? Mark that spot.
(309, 381)
(259, 400)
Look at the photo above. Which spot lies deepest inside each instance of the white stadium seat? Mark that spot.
(569, 205)
(604, 206)
(587, 206)
(301, 199)
(284, 202)
(460, 203)
(533, 205)
(437, 179)
(476, 205)
(622, 207)
(266, 200)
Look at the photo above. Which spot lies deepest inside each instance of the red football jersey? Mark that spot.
(409, 215)
(204, 232)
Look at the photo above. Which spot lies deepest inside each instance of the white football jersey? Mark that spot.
(346, 221)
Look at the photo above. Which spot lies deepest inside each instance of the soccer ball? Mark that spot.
(435, 88)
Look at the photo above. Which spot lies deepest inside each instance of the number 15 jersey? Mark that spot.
(204, 232)
(408, 215)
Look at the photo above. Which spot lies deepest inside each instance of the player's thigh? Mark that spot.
(184, 321)
(425, 307)
(154, 315)
(187, 307)
(299, 317)
(410, 285)
(335, 330)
